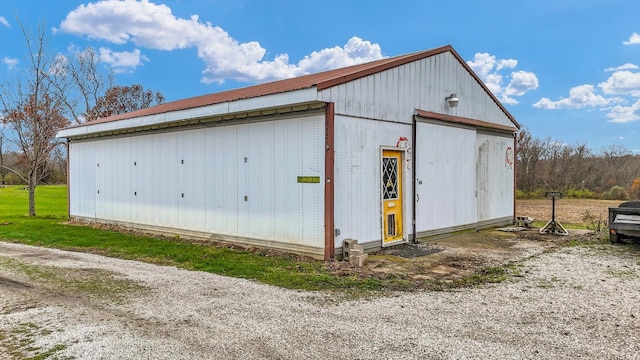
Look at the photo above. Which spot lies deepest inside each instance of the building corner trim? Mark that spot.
(329, 203)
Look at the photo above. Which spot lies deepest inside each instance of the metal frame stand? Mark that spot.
(553, 227)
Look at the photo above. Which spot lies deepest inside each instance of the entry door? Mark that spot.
(391, 197)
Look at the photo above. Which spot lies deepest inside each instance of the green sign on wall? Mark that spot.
(309, 179)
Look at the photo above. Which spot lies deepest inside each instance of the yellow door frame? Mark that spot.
(392, 194)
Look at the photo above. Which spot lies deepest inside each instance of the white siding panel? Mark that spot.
(245, 134)
(121, 178)
(495, 177)
(395, 93)
(286, 159)
(191, 184)
(258, 167)
(104, 184)
(165, 187)
(142, 209)
(82, 180)
(445, 177)
(76, 161)
(357, 177)
(214, 175)
(311, 144)
(228, 153)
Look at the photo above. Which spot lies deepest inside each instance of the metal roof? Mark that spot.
(322, 80)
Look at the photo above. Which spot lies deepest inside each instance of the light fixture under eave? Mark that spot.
(453, 100)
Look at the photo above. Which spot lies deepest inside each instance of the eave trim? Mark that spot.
(464, 121)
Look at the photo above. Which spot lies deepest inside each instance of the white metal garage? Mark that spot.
(372, 152)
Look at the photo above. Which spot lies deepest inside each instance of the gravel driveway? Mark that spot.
(573, 302)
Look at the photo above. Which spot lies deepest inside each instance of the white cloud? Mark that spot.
(627, 66)
(4, 21)
(488, 69)
(622, 83)
(482, 64)
(153, 26)
(11, 63)
(621, 88)
(123, 61)
(253, 68)
(579, 97)
(508, 64)
(634, 39)
(521, 82)
(623, 114)
(355, 51)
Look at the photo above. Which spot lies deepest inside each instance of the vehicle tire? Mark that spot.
(613, 238)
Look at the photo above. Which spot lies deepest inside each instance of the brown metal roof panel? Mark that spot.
(322, 80)
(209, 99)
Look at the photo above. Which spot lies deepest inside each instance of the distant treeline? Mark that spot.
(575, 170)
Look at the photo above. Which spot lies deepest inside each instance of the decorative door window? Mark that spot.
(389, 178)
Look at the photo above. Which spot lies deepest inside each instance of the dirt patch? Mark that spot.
(453, 258)
(568, 211)
(449, 260)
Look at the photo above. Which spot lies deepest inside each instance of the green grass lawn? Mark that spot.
(49, 229)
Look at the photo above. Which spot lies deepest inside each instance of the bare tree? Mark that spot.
(6, 163)
(579, 167)
(32, 111)
(80, 83)
(530, 151)
(88, 94)
(614, 157)
(123, 99)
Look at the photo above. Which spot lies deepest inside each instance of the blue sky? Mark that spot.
(568, 70)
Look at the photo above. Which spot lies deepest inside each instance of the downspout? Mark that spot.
(415, 195)
(329, 203)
